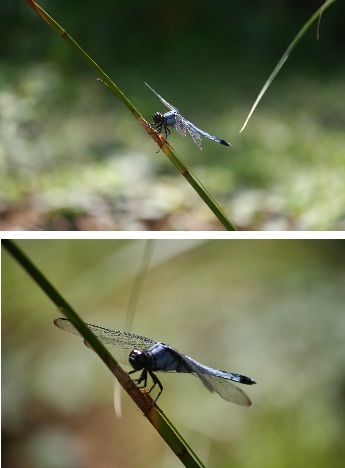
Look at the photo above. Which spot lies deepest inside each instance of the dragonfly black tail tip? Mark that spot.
(225, 143)
(246, 380)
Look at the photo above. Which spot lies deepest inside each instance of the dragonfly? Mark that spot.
(149, 356)
(173, 118)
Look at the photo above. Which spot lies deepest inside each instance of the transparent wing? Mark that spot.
(180, 125)
(119, 343)
(192, 130)
(169, 106)
(227, 390)
(220, 382)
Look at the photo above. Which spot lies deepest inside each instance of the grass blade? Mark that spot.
(286, 56)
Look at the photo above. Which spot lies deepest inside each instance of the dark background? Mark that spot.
(73, 158)
(130, 35)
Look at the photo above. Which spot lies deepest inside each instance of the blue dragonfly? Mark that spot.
(149, 356)
(173, 118)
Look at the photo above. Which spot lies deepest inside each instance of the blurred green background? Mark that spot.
(271, 310)
(72, 156)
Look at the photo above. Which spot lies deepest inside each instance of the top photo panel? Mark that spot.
(180, 116)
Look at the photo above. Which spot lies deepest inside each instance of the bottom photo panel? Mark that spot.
(169, 353)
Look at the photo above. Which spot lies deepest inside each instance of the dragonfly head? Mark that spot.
(157, 117)
(137, 359)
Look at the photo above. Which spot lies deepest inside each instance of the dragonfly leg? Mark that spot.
(156, 381)
(158, 131)
(142, 378)
(166, 131)
(158, 128)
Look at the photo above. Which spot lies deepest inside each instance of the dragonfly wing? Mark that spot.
(180, 125)
(169, 106)
(119, 343)
(192, 130)
(227, 390)
(220, 382)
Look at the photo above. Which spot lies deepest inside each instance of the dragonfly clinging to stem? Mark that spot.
(173, 118)
(149, 356)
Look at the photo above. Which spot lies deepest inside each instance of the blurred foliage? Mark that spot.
(71, 157)
(272, 310)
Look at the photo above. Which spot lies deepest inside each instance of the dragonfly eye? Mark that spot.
(157, 117)
(137, 359)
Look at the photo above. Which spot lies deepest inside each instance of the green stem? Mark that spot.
(138, 282)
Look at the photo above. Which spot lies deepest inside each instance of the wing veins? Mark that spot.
(119, 343)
